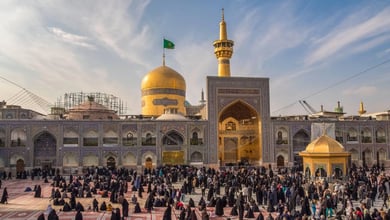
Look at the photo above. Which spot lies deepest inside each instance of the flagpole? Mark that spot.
(163, 52)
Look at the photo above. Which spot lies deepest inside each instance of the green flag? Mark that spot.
(168, 44)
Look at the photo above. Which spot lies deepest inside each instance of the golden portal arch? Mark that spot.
(239, 134)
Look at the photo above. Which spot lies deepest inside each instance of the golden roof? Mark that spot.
(163, 77)
(325, 144)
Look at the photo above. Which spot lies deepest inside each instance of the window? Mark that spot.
(194, 139)
(230, 126)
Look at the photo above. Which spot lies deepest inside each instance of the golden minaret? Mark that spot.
(361, 109)
(223, 49)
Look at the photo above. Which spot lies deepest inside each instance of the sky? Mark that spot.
(318, 51)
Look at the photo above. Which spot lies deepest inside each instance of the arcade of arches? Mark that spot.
(239, 134)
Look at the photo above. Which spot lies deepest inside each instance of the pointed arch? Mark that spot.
(110, 138)
(280, 161)
(90, 160)
(129, 138)
(149, 159)
(14, 158)
(196, 136)
(380, 135)
(91, 138)
(148, 138)
(129, 159)
(300, 140)
(239, 133)
(71, 138)
(45, 148)
(366, 135)
(18, 137)
(281, 136)
(382, 155)
(173, 137)
(70, 159)
(196, 157)
(352, 135)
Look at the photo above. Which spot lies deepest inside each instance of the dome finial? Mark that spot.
(163, 59)
(223, 15)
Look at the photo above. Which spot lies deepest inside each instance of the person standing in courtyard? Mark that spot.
(78, 216)
(4, 197)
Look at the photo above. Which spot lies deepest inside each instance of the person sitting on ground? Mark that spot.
(53, 215)
(137, 208)
(41, 216)
(80, 207)
(191, 203)
(105, 194)
(134, 199)
(66, 207)
(103, 206)
(109, 207)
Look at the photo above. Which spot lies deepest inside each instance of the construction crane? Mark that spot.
(308, 108)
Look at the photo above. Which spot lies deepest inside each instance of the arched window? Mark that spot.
(380, 135)
(194, 139)
(366, 135)
(230, 126)
(352, 135)
(148, 139)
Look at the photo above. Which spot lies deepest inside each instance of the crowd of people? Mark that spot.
(250, 192)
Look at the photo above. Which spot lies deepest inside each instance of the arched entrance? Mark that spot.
(239, 134)
(45, 149)
(280, 161)
(320, 172)
(148, 163)
(338, 173)
(20, 165)
(111, 164)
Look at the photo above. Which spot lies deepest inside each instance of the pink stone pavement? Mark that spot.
(23, 206)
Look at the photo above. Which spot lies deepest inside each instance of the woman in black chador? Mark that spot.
(137, 208)
(260, 216)
(4, 198)
(168, 213)
(249, 213)
(234, 211)
(38, 191)
(125, 208)
(219, 207)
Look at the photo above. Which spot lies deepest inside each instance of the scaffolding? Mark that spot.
(112, 102)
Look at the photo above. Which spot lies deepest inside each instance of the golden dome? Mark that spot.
(163, 77)
(325, 144)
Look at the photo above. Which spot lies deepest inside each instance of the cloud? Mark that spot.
(264, 33)
(71, 38)
(347, 35)
(33, 52)
(362, 91)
